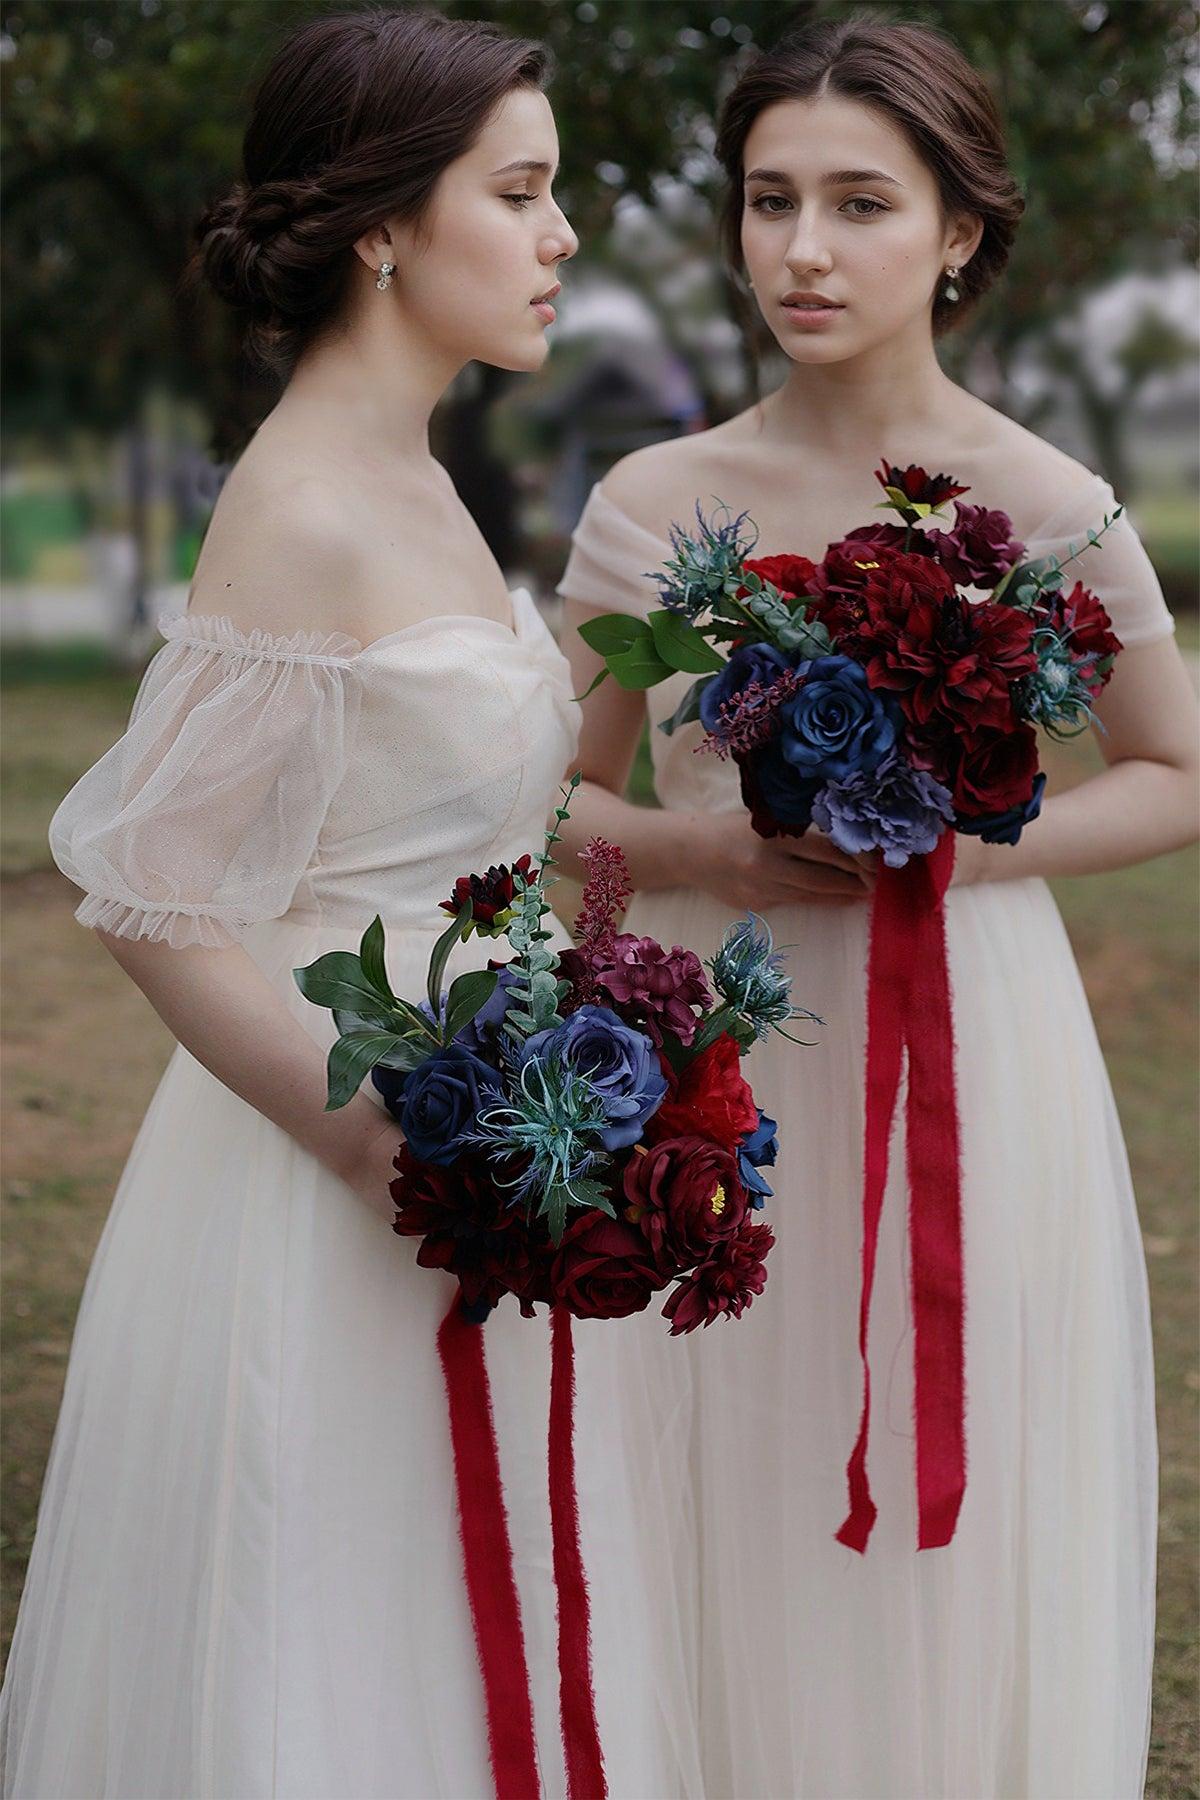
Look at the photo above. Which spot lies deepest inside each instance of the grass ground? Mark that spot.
(83, 1052)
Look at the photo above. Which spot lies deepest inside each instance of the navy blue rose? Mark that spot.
(756, 1152)
(437, 1102)
(621, 1064)
(753, 662)
(836, 725)
(786, 793)
(1006, 827)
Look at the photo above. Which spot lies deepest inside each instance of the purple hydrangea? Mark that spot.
(894, 808)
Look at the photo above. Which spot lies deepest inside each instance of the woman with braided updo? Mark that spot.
(247, 1578)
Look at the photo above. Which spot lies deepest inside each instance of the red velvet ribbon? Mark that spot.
(488, 1567)
(909, 1010)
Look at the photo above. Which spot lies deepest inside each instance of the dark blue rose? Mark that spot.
(755, 1152)
(753, 662)
(1006, 827)
(836, 724)
(786, 793)
(621, 1064)
(438, 1101)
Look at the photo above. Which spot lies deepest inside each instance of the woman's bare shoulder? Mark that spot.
(662, 482)
(1023, 475)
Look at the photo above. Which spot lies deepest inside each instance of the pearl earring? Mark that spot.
(950, 291)
(384, 279)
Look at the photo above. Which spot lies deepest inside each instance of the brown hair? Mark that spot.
(916, 77)
(353, 122)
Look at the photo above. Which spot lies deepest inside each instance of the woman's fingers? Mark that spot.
(816, 848)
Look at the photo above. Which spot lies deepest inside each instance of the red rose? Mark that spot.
(792, 575)
(725, 1285)
(685, 1196)
(604, 1269)
(468, 1226)
(710, 1099)
(995, 772)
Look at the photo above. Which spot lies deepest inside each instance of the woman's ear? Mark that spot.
(963, 241)
(376, 247)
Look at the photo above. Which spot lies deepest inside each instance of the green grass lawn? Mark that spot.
(71, 1107)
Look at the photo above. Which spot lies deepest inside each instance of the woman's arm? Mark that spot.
(1144, 803)
(222, 1009)
(720, 853)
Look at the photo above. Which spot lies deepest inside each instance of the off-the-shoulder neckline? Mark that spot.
(327, 647)
(1043, 535)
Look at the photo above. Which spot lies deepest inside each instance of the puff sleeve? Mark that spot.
(200, 821)
(1117, 570)
(612, 561)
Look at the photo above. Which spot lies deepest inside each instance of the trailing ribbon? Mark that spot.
(488, 1566)
(909, 1009)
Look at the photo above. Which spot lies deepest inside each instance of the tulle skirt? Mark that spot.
(247, 1576)
(1016, 1661)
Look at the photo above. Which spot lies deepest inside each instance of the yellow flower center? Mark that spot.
(718, 1201)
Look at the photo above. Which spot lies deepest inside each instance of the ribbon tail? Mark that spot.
(935, 1227)
(887, 992)
(577, 1703)
(487, 1558)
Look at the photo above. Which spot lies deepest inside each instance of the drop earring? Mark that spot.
(950, 291)
(383, 280)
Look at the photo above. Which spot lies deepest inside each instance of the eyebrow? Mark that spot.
(527, 166)
(837, 178)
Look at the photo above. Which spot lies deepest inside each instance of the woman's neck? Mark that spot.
(863, 407)
(373, 382)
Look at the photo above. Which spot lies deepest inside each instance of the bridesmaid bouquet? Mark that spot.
(888, 695)
(576, 1126)
(868, 694)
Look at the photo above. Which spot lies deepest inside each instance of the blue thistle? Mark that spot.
(748, 974)
(706, 567)
(1058, 694)
(555, 1119)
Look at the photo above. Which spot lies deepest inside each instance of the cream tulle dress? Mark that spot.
(246, 1580)
(1016, 1661)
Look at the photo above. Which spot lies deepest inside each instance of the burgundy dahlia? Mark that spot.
(918, 488)
(490, 894)
(725, 1285)
(468, 1226)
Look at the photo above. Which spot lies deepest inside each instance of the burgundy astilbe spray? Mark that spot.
(605, 892)
(748, 719)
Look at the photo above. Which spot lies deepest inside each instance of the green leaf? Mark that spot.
(688, 708)
(371, 955)
(441, 952)
(592, 686)
(640, 666)
(337, 980)
(678, 643)
(351, 1058)
(466, 996)
(611, 632)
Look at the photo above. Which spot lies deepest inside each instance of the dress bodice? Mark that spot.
(613, 559)
(317, 778)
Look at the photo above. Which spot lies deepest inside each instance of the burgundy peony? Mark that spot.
(654, 988)
(604, 1268)
(980, 548)
(709, 1099)
(491, 894)
(686, 1196)
(846, 566)
(995, 772)
(725, 1285)
(469, 1227)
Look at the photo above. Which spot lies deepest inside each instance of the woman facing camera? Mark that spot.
(869, 206)
(247, 1577)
